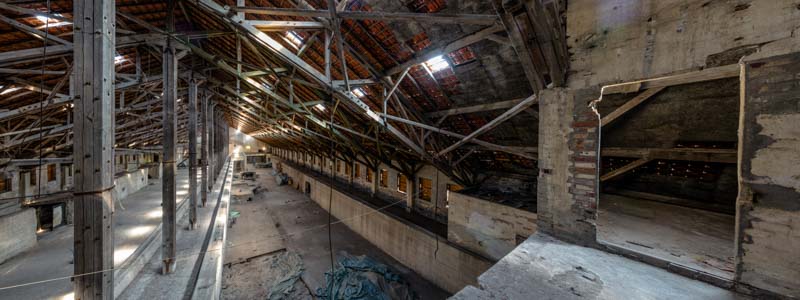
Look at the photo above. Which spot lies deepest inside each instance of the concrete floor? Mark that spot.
(52, 256)
(284, 218)
(544, 268)
(694, 238)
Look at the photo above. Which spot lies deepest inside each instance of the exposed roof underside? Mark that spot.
(471, 113)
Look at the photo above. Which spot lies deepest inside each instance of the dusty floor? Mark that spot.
(282, 220)
(697, 239)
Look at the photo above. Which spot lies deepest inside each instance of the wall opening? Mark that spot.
(668, 176)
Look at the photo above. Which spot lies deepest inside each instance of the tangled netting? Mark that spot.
(290, 266)
(361, 278)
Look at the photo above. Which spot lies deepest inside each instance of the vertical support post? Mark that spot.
(212, 133)
(192, 153)
(169, 142)
(204, 150)
(410, 180)
(373, 190)
(94, 51)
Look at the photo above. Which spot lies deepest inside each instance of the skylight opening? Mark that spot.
(119, 59)
(359, 93)
(320, 107)
(10, 90)
(437, 64)
(49, 22)
(294, 38)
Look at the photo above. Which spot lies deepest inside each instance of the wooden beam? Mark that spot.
(685, 154)
(93, 146)
(192, 103)
(284, 25)
(441, 18)
(728, 71)
(41, 35)
(520, 45)
(624, 169)
(526, 152)
(474, 108)
(169, 141)
(493, 123)
(629, 105)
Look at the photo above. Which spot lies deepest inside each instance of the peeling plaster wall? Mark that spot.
(486, 227)
(625, 40)
(768, 224)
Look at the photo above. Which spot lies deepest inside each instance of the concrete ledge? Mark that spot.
(127, 270)
(446, 265)
(551, 269)
(17, 233)
(208, 284)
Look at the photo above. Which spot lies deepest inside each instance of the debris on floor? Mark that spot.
(291, 266)
(281, 178)
(361, 278)
(275, 276)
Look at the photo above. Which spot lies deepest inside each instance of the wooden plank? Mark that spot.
(728, 71)
(624, 169)
(629, 105)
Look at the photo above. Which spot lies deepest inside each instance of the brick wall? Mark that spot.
(566, 197)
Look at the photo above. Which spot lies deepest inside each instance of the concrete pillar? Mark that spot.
(204, 188)
(93, 144)
(410, 194)
(373, 188)
(192, 153)
(352, 170)
(168, 162)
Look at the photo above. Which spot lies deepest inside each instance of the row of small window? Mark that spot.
(425, 185)
(5, 180)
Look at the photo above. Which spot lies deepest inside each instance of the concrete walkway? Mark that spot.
(283, 220)
(544, 268)
(135, 218)
(150, 283)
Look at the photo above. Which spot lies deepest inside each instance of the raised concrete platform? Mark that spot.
(544, 268)
(136, 219)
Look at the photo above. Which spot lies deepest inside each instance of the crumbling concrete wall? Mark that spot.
(486, 227)
(444, 264)
(129, 183)
(566, 194)
(625, 40)
(17, 233)
(768, 221)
